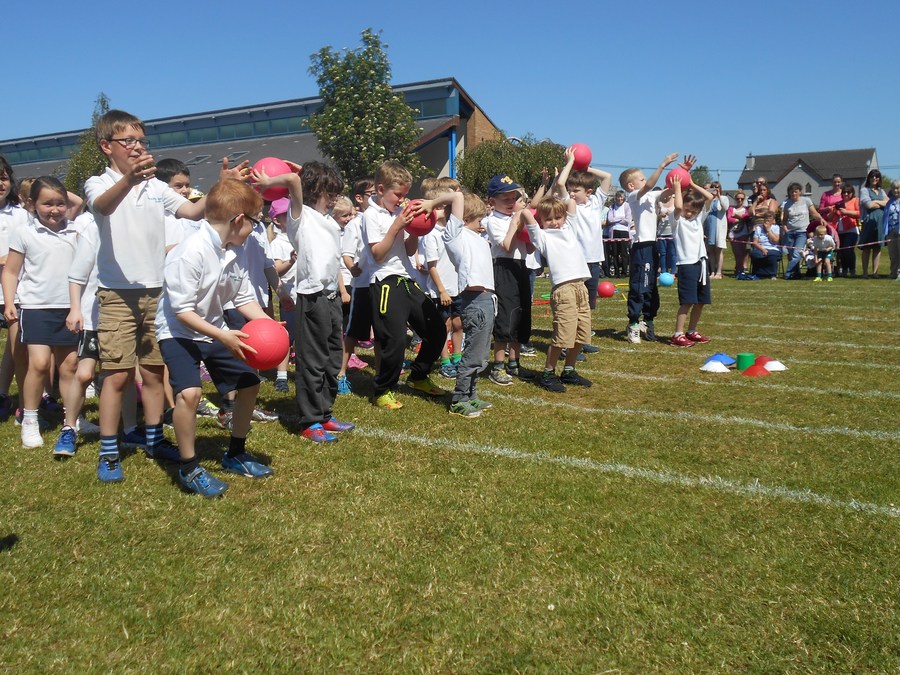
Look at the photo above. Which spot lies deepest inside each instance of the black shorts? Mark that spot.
(345, 314)
(359, 321)
(690, 289)
(448, 311)
(183, 358)
(88, 346)
(46, 327)
(512, 281)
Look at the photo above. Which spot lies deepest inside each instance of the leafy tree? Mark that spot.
(362, 122)
(700, 175)
(87, 160)
(523, 160)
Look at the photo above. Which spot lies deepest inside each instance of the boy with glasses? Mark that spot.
(204, 272)
(129, 206)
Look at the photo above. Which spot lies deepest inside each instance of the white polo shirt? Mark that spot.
(179, 229)
(561, 250)
(497, 225)
(690, 244)
(84, 268)
(471, 254)
(280, 248)
(11, 217)
(643, 213)
(317, 240)
(435, 251)
(352, 245)
(376, 221)
(588, 226)
(43, 283)
(133, 238)
(201, 276)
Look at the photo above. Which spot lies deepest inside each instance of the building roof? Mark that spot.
(851, 164)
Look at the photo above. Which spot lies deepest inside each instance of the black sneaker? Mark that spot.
(589, 349)
(572, 377)
(550, 382)
(649, 331)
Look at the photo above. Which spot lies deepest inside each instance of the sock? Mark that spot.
(513, 363)
(456, 358)
(281, 375)
(445, 361)
(29, 415)
(678, 332)
(109, 445)
(227, 405)
(548, 372)
(236, 446)
(188, 465)
(568, 369)
(498, 365)
(154, 434)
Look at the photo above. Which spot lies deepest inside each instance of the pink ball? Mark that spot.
(269, 339)
(606, 289)
(682, 174)
(273, 167)
(583, 156)
(421, 224)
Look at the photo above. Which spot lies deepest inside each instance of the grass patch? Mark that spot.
(663, 520)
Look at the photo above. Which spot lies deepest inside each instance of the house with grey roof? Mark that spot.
(813, 170)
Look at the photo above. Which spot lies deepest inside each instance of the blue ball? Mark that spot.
(666, 279)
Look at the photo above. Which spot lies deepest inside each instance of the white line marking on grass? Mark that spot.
(877, 434)
(804, 329)
(714, 483)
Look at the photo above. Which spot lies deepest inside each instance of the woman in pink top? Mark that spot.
(739, 231)
(848, 229)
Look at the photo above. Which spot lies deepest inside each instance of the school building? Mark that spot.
(449, 119)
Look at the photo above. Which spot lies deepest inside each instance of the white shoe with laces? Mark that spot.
(31, 434)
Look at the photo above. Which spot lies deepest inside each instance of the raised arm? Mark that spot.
(560, 186)
(654, 177)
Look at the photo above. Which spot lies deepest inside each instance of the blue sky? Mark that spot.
(632, 80)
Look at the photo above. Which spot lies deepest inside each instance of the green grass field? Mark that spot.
(665, 520)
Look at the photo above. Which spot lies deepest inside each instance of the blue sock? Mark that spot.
(154, 434)
(109, 445)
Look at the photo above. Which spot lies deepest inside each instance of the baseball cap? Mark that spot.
(500, 184)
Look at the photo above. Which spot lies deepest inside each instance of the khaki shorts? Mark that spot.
(126, 329)
(571, 314)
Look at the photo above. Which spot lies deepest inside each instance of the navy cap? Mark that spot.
(500, 184)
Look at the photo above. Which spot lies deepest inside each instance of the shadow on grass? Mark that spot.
(8, 542)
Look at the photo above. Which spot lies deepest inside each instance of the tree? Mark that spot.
(700, 175)
(523, 160)
(87, 160)
(362, 122)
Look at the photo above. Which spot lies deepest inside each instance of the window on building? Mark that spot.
(808, 189)
(242, 130)
(171, 138)
(206, 135)
(199, 159)
(234, 156)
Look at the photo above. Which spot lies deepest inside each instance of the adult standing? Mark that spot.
(717, 233)
(797, 211)
(872, 200)
(848, 230)
(618, 222)
(741, 232)
(892, 229)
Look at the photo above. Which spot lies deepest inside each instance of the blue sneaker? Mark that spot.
(109, 469)
(245, 464)
(202, 482)
(65, 445)
(449, 371)
(343, 386)
(163, 450)
(134, 439)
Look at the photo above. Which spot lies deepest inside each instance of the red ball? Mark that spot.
(606, 289)
(523, 235)
(273, 167)
(583, 156)
(682, 174)
(421, 224)
(269, 339)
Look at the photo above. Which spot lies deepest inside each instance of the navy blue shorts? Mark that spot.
(234, 319)
(447, 311)
(690, 289)
(359, 323)
(46, 327)
(183, 358)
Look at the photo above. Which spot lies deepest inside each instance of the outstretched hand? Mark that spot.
(689, 161)
(241, 172)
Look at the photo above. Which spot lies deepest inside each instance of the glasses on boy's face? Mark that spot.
(129, 143)
(253, 220)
